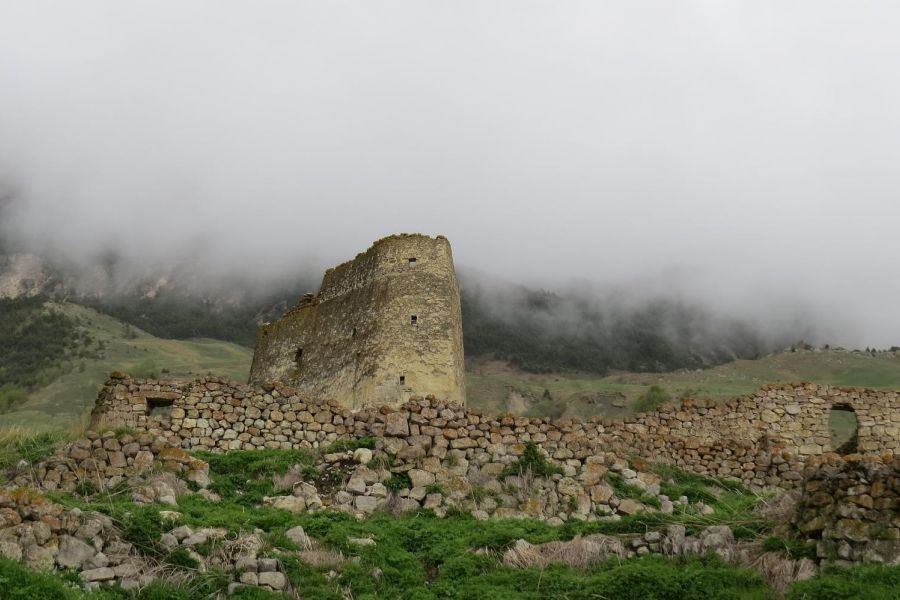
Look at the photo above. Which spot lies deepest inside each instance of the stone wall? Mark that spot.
(851, 507)
(383, 327)
(762, 439)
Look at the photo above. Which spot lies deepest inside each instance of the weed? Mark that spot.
(180, 557)
(397, 482)
(794, 549)
(434, 488)
(652, 399)
(349, 444)
(17, 446)
(629, 490)
(531, 461)
(246, 475)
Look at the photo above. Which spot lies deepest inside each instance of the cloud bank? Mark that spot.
(741, 153)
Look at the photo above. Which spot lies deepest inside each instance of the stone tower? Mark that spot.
(384, 326)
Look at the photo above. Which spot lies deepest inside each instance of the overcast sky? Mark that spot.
(749, 151)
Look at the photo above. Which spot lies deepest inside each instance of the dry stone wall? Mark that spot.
(763, 439)
(851, 506)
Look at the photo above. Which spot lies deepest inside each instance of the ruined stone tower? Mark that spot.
(384, 326)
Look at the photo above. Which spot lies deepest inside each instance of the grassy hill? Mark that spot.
(66, 402)
(496, 387)
(492, 386)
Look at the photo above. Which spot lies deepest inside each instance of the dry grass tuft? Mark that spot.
(780, 571)
(580, 552)
(321, 557)
(780, 510)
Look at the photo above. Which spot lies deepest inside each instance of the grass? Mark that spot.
(791, 548)
(397, 482)
(422, 556)
(652, 399)
(531, 461)
(245, 476)
(865, 582)
(69, 398)
(629, 490)
(349, 444)
(17, 445)
(495, 387)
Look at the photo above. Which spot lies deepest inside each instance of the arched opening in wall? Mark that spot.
(413, 320)
(412, 262)
(843, 427)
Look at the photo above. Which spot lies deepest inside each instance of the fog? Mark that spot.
(742, 154)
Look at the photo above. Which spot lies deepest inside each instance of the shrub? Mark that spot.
(652, 399)
(11, 396)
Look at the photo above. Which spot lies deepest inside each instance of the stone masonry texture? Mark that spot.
(384, 327)
(764, 439)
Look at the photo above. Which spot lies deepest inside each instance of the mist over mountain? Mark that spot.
(575, 327)
(701, 156)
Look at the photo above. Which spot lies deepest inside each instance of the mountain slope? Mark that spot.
(497, 387)
(66, 402)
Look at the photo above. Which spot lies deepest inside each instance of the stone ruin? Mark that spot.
(384, 327)
(763, 439)
(447, 457)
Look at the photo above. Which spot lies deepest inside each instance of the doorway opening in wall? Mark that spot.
(159, 407)
(403, 380)
(412, 262)
(298, 358)
(414, 320)
(353, 333)
(843, 427)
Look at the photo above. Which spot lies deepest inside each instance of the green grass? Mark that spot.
(496, 388)
(245, 476)
(629, 490)
(531, 461)
(652, 399)
(422, 556)
(349, 444)
(866, 582)
(66, 402)
(16, 446)
(791, 548)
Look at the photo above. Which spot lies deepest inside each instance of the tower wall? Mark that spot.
(384, 327)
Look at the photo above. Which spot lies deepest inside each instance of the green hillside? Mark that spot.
(492, 386)
(66, 402)
(497, 387)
